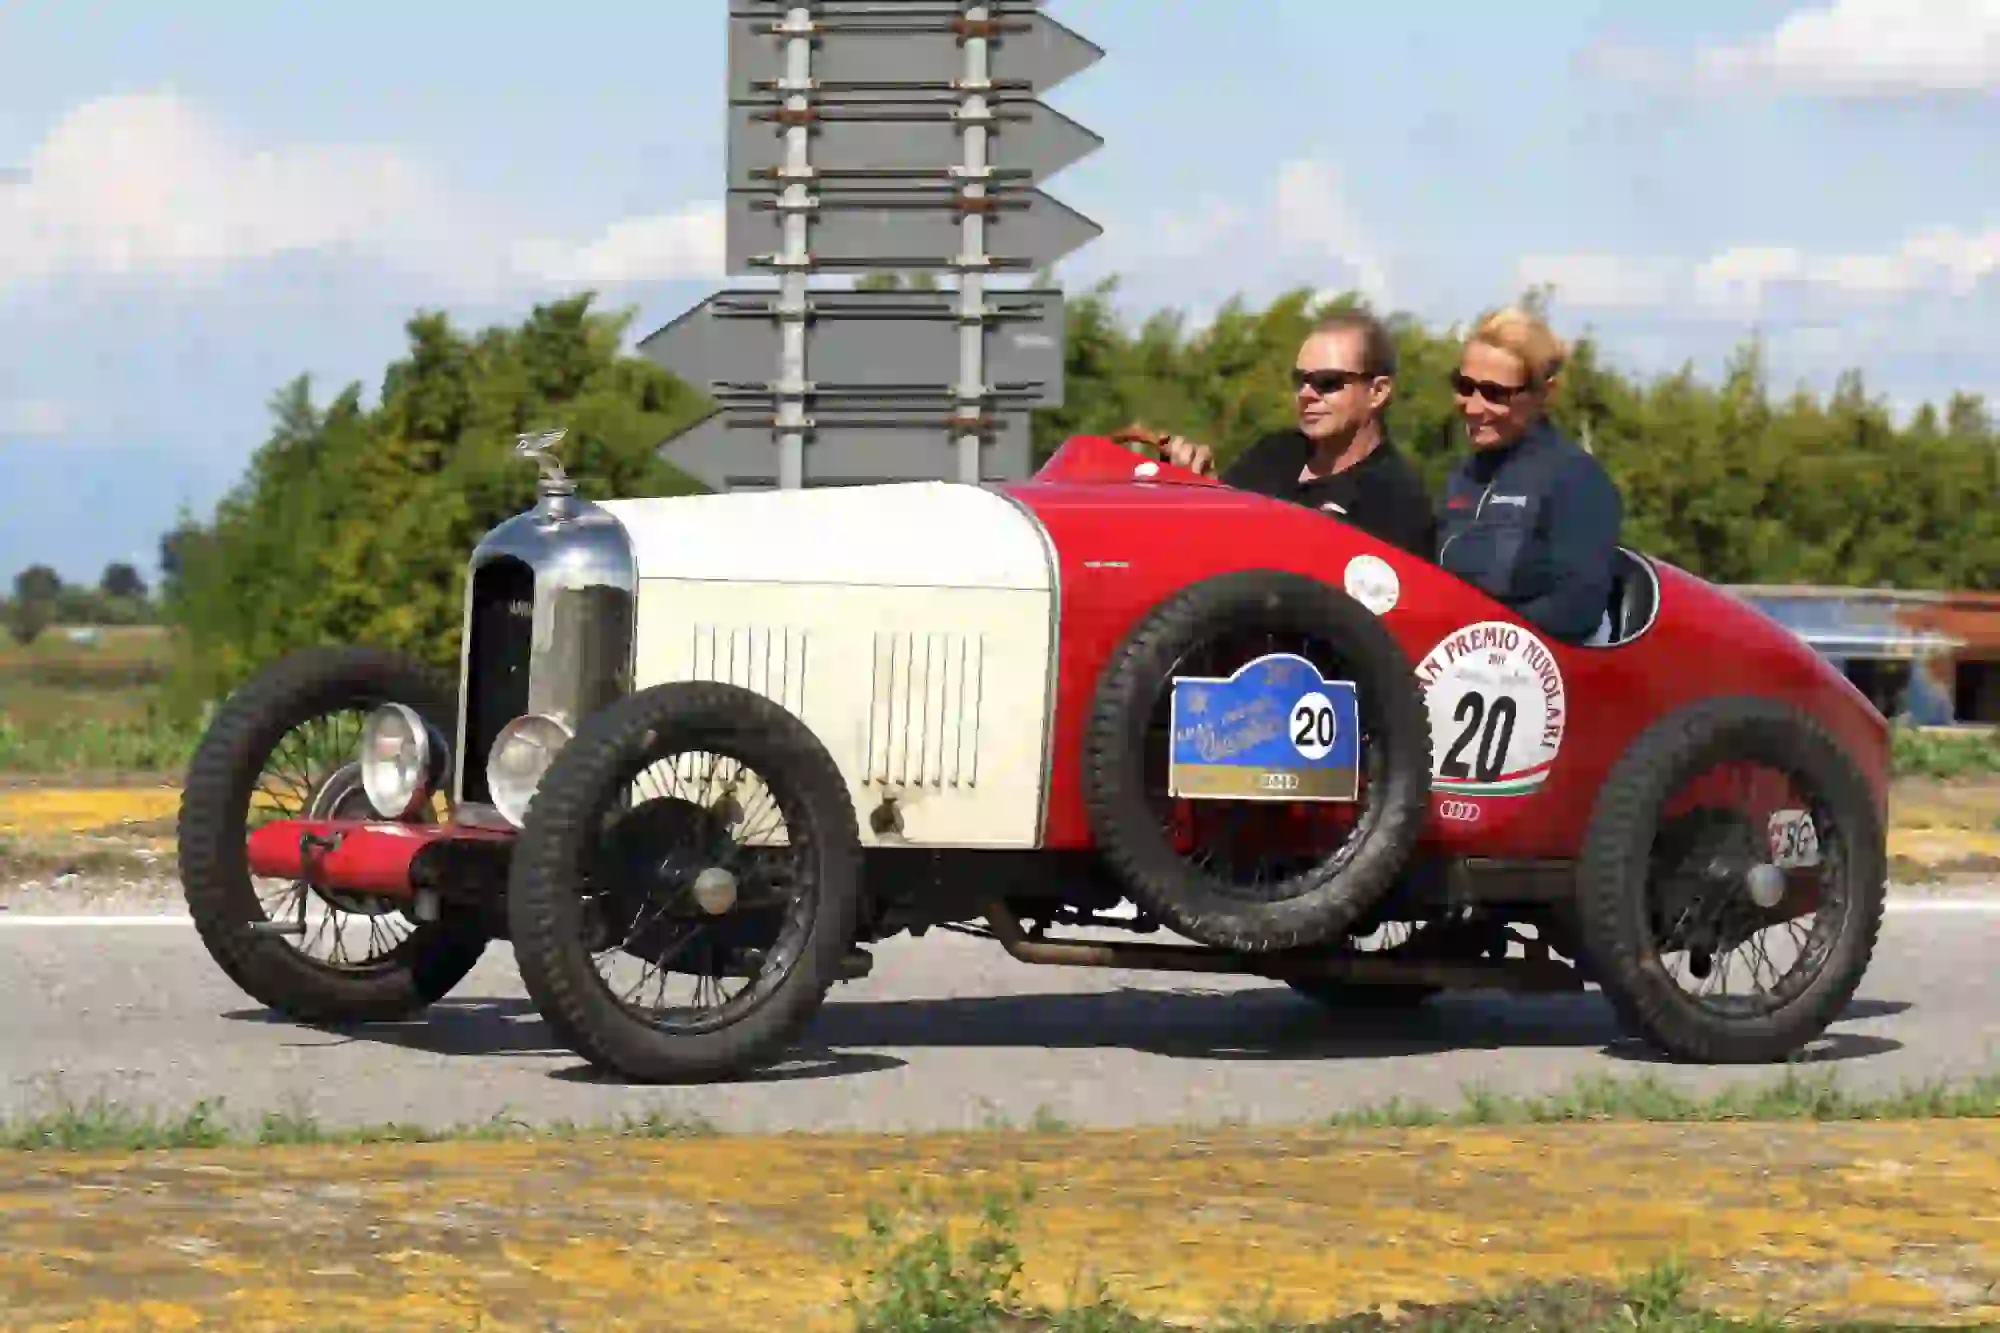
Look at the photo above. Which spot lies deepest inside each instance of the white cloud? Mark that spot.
(33, 417)
(1303, 220)
(1865, 47)
(1847, 48)
(1599, 279)
(689, 244)
(143, 185)
(1312, 215)
(1942, 260)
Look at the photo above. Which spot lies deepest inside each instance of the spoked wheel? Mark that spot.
(1732, 883)
(284, 746)
(1265, 873)
(687, 884)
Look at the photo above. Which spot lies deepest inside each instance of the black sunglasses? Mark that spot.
(1497, 394)
(1326, 382)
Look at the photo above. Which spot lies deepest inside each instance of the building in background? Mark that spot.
(1932, 658)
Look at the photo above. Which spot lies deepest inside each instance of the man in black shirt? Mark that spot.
(1337, 458)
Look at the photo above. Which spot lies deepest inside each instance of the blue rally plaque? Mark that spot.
(1273, 731)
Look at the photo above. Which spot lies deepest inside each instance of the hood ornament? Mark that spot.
(541, 448)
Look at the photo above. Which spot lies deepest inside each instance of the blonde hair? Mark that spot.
(1516, 331)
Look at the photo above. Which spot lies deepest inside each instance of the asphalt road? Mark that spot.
(948, 1033)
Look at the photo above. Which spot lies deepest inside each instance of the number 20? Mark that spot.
(1494, 728)
(1315, 726)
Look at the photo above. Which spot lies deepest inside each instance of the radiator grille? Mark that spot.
(497, 663)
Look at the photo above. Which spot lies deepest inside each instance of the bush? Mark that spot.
(1971, 752)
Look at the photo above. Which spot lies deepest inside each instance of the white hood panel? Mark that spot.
(905, 534)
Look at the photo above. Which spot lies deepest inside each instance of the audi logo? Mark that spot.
(1459, 812)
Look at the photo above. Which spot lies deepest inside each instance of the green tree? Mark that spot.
(121, 579)
(37, 583)
(27, 619)
(353, 525)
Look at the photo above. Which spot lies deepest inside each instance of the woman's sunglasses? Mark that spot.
(1497, 394)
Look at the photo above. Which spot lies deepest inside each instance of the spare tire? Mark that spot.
(1214, 628)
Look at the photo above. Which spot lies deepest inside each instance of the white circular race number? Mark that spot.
(1313, 725)
(1497, 710)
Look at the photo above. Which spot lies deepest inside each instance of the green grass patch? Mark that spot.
(98, 1124)
(1958, 753)
(98, 707)
(1792, 1095)
(55, 743)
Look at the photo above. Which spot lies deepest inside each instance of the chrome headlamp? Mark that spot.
(521, 754)
(402, 761)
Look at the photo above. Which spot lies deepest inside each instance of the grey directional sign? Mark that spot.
(894, 343)
(866, 135)
(856, 229)
(869, 48)
(733, 449)
(1026, 142)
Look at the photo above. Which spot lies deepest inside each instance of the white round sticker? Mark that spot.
(1372, 581)
(1497, 710)
(1146, 469)
(1313, 725)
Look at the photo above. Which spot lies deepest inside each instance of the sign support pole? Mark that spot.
(972, 279)
(792, 306)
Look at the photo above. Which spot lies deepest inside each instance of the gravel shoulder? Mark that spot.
(1879, 1221)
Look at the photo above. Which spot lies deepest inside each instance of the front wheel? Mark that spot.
(692, 836)
(285, 746)
(1732, 881)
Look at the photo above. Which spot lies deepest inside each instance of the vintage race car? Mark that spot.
(721, 743)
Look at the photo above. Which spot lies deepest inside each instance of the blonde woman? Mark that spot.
(1528, 517)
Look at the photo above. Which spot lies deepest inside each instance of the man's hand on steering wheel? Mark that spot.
(1181, 452)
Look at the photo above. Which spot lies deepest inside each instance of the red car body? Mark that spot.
(1128, 533)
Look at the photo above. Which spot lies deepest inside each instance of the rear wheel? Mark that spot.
(284, 746)
(1732, 881)
(1257, 874)
(693, 837)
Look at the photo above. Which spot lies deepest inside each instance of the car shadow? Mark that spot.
(851, 1036)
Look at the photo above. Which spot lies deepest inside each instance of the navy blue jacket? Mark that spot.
(1535, 524)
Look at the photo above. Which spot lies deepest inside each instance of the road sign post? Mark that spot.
(792, 307)
(972, 282)
(884, 134)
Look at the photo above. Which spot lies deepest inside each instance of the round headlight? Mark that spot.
(395, 761)
(521, 754)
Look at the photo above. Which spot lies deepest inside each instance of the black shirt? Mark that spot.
(1382, 494)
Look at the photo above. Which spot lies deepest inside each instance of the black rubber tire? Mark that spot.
(1613, 866)
(546, 924)
(214, 866)
(1127, 830)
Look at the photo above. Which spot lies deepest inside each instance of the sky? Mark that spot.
(200, 201)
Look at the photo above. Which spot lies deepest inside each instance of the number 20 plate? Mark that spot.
(1273, 731)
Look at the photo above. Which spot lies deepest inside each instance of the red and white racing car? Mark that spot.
(702, 750)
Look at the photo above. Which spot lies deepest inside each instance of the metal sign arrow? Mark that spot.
(910, 138)
(733, 449)
(858, 229)
(863, 50)
(895, 342)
